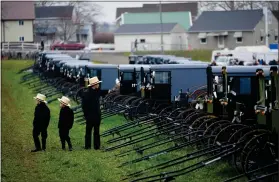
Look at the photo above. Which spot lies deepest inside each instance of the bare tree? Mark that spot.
(67, 29)
(227, 5)
(45, 3)
(85, 13)
(239, 5)
(272, 5)
(42, 29)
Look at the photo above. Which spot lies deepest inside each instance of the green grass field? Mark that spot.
(18, 164)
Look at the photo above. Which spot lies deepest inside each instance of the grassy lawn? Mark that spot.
(202, 55)
(18, 164)
(98, 62)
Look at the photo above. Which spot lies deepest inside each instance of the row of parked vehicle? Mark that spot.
(230, 113)
(160, 59)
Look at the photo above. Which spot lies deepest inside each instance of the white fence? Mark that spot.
(20, 46)
(16, 46)
(157, 47)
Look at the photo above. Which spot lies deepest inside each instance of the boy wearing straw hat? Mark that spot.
(65, 123)
(92, 113)
(40, 122)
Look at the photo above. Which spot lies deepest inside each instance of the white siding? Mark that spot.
(152, 42)
(13, 31)
(2, 31)
(179, 38)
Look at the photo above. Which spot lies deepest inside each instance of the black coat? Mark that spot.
(91, 105)
(41, 117)
(66, 118)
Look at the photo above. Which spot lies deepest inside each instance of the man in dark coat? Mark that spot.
(92, 113)
(40, 122)
(136, 44)
(65, 123)
(42, 45)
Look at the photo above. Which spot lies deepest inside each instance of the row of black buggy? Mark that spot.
(158, 59)
(228, 114)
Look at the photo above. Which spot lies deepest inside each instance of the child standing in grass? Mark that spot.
(40, 122)
(66, 121)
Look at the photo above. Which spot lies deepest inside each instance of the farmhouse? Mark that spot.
(229, 29)
(58, 23)
(17, 21)
(148, 37)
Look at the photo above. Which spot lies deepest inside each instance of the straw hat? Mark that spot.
(93, 81)
(65, 100)
(41, 98)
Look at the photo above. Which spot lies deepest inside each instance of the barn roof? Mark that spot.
(276, 14)
(17, 10)
(54, 12)
(166, 7)
(239, 20)
(145, 28)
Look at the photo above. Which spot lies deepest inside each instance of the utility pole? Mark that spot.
(266, 25)
(161, 21)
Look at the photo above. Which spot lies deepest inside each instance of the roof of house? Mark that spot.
(145, 28)
(239, 20)
(54, 11)
(276, 14)
(166, 7)
(17, 10)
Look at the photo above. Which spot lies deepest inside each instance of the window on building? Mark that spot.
(261, 38)
(21, 38)
(239, 40)
(84, 37)
(21, 22)
(142, 40)
(203, 41)
(276, 37)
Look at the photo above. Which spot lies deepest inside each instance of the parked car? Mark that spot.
(67, 46)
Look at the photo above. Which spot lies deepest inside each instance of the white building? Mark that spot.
(148, 37)
(17, 21)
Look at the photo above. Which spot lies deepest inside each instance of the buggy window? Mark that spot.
(218, 84)
(162, 78)
(241, 86)
(74, 71)
(82, 71)
(234, 83)
(93, 73)
(127, 76)
(245, 86)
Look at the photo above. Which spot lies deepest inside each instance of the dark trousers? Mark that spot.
(64, 137)
(36, 133)
(88, 135)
